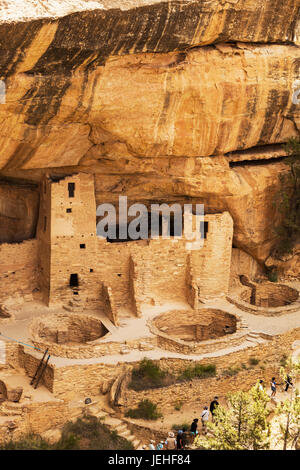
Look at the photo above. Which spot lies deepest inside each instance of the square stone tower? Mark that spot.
(67, 238)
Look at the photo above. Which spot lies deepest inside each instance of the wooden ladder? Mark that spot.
(40, 370)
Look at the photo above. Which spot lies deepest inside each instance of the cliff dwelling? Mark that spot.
(172, 104)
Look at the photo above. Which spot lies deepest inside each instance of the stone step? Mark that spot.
(113, 422)
(126, 434)
(101, 414)
(122, 427)
(261, 341)
(254, 335)
(136, 443)
(12, 405)
(93, 409)
(11, 412)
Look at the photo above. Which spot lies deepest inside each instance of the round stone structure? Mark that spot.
(197, 331)
(68, 335)
(267, 298)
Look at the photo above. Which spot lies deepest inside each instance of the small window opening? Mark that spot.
(82, 246)
(69, 211)
(71, 189)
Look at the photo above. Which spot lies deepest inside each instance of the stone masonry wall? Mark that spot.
(87, 379)
(211, 264)
(18, 268)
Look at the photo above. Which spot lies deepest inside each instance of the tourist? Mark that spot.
(213, 406)
(183, 438)
(151, 445)
(288, 383)
(260, 386)
(160, 445)
(273, 387)
(194, 426)
(179, 441)
(171, 442)
(204, 419)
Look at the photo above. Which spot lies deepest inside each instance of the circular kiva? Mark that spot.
(197, 331)
(68, 335)
(267, 299)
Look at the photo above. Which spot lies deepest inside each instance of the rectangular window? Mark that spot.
(82, 246)
(71, 189)
(69, 211)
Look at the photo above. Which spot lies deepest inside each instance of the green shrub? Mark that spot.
(28, 442)
(89, 433)
(253, 361)
(176, 427)
(273, 276)
(145, 410)
(231, 371)
(198, 371)
(149, 375)
(178, 405)
(283, 360)
(86, 433)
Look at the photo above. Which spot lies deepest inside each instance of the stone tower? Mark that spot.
(67, 238)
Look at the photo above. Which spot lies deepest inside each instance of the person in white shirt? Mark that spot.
(204, 419)
(151, 445)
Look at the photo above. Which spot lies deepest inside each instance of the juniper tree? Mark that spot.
(242, 425)
(289, 409)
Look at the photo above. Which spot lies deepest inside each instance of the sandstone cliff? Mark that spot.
(160, 100)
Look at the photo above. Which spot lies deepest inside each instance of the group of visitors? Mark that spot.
(205, 417)
(171, 443)
(287, 382)
(183, 437)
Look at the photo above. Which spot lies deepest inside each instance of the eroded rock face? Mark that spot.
(156, 99)
(203, 102)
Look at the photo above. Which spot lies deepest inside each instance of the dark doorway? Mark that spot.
(204, 229)
(74, 282)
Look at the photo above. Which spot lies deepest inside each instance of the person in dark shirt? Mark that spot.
(184, 438)
(194, 426)
(288, 383)
(179, 440)
(213, 406)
